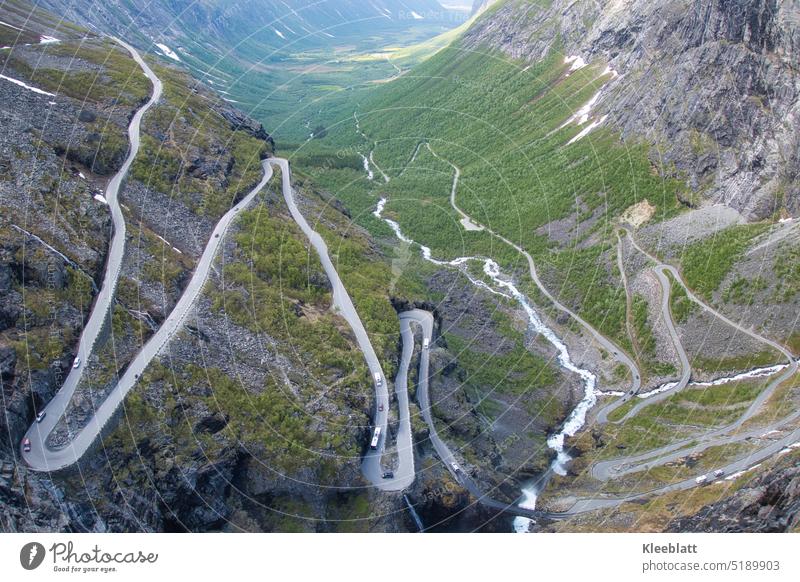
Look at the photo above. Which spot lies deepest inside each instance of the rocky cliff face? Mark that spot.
(771, 503)
(713, 85)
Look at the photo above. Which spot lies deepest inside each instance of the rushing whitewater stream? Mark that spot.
(506, 288)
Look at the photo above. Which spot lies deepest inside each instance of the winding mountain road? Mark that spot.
(343, 305)
(703, 305)
(617, 467)
(616, 352)
(425, 320)
(686, 369)
(40, 457)
(45, 458)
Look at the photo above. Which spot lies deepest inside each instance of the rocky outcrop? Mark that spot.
(713, 85)
(771, 503)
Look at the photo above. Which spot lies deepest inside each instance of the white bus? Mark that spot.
(376, 437)
(378, 380)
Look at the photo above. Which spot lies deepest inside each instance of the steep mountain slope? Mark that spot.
(712, 85)
(255, 416)
(557, 159)
(601, 138)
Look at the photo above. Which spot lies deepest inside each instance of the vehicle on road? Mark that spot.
(701, 479)
(26, 445)
(426, 343)
(376, 437)
(40, 416)
(380, 407)
(388, 475)
(77, 363)
(719, 473)
(378, 379)
(455, 466)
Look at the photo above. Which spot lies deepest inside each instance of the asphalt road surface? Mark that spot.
(44, 458)
(425, 320)
(40, 457)
(686, 369)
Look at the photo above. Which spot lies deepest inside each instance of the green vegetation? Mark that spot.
(516, 371)
(509, 375)
(195, 133)
(276, 286)
(619, 413)
(502, 126)
(793, 342)
(742, 291)
(646, 340)
(786, 267)
(705, 263)
(680, 305)
(781, 403)
(111, 74)
(270, 418)
(736, 363)
(677, 416)
(644, 335)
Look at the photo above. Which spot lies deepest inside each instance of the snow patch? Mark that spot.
(581, 116)
(586, 130)
(612, 72)
(168, 52)
(26, 86)
(416, 16)
(577, 62)
(10, 25)
(166, 242)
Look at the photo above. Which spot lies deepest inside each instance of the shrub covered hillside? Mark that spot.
(528, 171)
